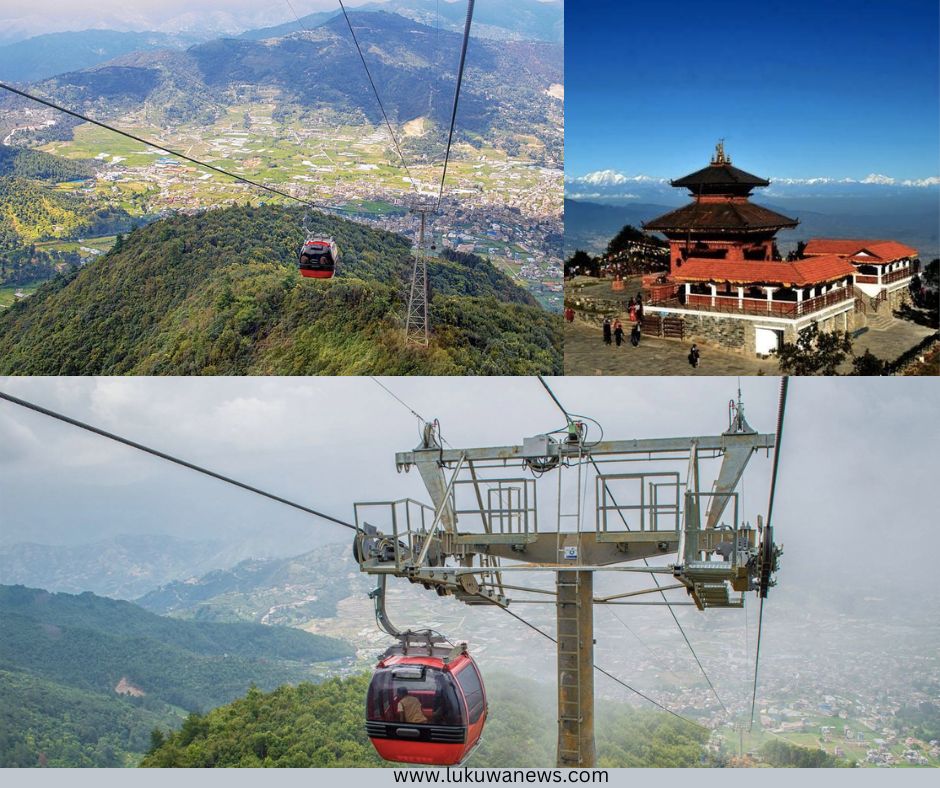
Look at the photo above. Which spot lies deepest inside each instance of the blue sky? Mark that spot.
(799, 89)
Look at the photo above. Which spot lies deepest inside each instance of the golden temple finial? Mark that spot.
(720, 157)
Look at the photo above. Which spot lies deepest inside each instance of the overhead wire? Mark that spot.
(607, 673)
(171, 458)
(376, 92)
(662, 593)
(176, 153)
(653, 654)
(408, 407)
(781, 412)
(453, 114)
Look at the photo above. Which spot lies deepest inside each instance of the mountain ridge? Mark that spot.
(219, 293)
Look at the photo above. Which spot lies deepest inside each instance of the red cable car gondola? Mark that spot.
(318, 257)
(426, 703)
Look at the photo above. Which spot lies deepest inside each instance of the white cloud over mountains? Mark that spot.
(612, 178)
(607, 179)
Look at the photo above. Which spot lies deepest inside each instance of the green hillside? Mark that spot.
(97, 644)
(218, 293)
(33, 210)
(323, 725)
(44, 723)
(85, 679)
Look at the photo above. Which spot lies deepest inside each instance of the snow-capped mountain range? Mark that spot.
(615, 186)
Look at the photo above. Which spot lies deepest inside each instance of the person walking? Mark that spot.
(569, 314)
(694, 356)
(607, 331)
(635, 335)
(618, 332)
(631, 310)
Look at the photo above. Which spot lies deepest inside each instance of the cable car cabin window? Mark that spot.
(415, 694)
(473, 691)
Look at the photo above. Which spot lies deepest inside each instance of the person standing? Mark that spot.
(618, 332)
(635, 335)
(607, 331)
(694, 356)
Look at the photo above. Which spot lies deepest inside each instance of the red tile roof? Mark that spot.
(878, 251)
(800, 273)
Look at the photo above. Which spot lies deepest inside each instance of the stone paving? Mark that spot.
(890, 343)
(586, 353)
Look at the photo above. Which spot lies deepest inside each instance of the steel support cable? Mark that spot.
(781, 411)
(408, 407)
(172, 152)
(653, 654)
(672, 612)
(169, 457)
(607, 673)
(662, 593)
(376, 92)
(453, 114)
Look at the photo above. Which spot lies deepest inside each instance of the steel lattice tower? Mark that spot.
(416, 319)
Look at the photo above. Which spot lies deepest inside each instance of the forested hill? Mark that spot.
(323, 725)
(219, 293)
(84, 679)
(31, 210)
(92, 642)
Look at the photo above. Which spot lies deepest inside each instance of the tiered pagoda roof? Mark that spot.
(720, 217)
(720, 177)
(721, 205)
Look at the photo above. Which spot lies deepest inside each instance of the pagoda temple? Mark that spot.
(727, 284)
(721, 223)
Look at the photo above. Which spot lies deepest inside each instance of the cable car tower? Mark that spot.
(417, 326)
(484, 533)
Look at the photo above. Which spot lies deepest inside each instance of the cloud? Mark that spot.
(933, 181)
(328, 442)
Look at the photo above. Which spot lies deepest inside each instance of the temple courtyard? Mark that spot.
(586, 353)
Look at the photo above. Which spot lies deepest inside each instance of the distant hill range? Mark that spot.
(219, 293)
(44, 56)
(904, 213)
(82, 677)
(590, 226)
(517, 20)
(122, 567)
(506, 88)
(25, 58)
(282, 591)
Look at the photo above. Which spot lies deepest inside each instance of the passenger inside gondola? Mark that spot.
(409, 708)
(416, 695)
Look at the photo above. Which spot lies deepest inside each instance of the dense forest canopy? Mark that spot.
(85, 679)
(95, 644)
(33, 164)
(31, 210)
(219, 293)
(323, 726)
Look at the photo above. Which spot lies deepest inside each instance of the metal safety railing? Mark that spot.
(658, 507)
